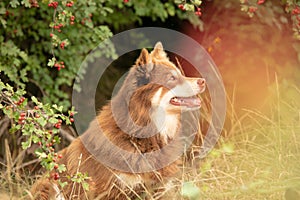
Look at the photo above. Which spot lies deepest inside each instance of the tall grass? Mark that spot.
(260, 157)
(257, 159)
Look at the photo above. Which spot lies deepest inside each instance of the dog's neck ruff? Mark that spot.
(166, 124)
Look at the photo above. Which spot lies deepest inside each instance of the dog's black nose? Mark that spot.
(201, 82)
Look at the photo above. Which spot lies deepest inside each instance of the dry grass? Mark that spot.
(257, 160)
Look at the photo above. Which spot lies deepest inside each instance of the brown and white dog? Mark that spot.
(143, 117)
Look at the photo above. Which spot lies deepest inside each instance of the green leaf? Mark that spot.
(190, 191)
(40, 154)
(228, 148)
(189, 7)
(35, 139)
(61, 168)
(51, 62)
(178, 1)
(58, 108)
(14, 3)
(62, 184)
(197, 2)
(26, 145)
(34, 99)
(85, 186)
(53, 120)
(42, 121)
(26, 3)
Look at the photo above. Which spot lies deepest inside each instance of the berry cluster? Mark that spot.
(251, 7)
(72, 19)
(296, 11)
(55, 174)
(58, 124)
(296, 17)
(53, 4)
(70, 4)
(198, 12)
(22, 118)
(192, 6)
(62, 45)
(58, 27)
(20, 101)
(59, 65)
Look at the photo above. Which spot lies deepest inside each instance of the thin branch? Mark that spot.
(179, 66)
(66, 135)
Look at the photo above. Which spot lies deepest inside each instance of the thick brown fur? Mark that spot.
(135, 96)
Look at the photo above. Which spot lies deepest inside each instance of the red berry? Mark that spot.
(181, 7)
(56, 176)
(21, 122)
(57, 125)
(51, 34)
(23, 114)
(71, 114)
(37, 115)
(125, 1)
(55, 166)
(54, 4)
(21, 118)
(40, 143)
(60, 156)
(198, 13)
(260, 2)
(22, 99)
(296, 11)
(62, 45)
(252, 9)
(72, 120)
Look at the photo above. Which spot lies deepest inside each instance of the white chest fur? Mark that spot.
(166, 124)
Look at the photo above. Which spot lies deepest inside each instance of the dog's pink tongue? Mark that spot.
(186, 101)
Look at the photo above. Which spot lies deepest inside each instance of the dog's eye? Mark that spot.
(172, 78)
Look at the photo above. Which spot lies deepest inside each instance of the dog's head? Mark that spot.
(174, 92)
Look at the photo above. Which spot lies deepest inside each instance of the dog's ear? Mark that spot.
(158, 51)
(143, 59)
(144, 67)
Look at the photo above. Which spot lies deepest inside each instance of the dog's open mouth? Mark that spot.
(191, 102)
